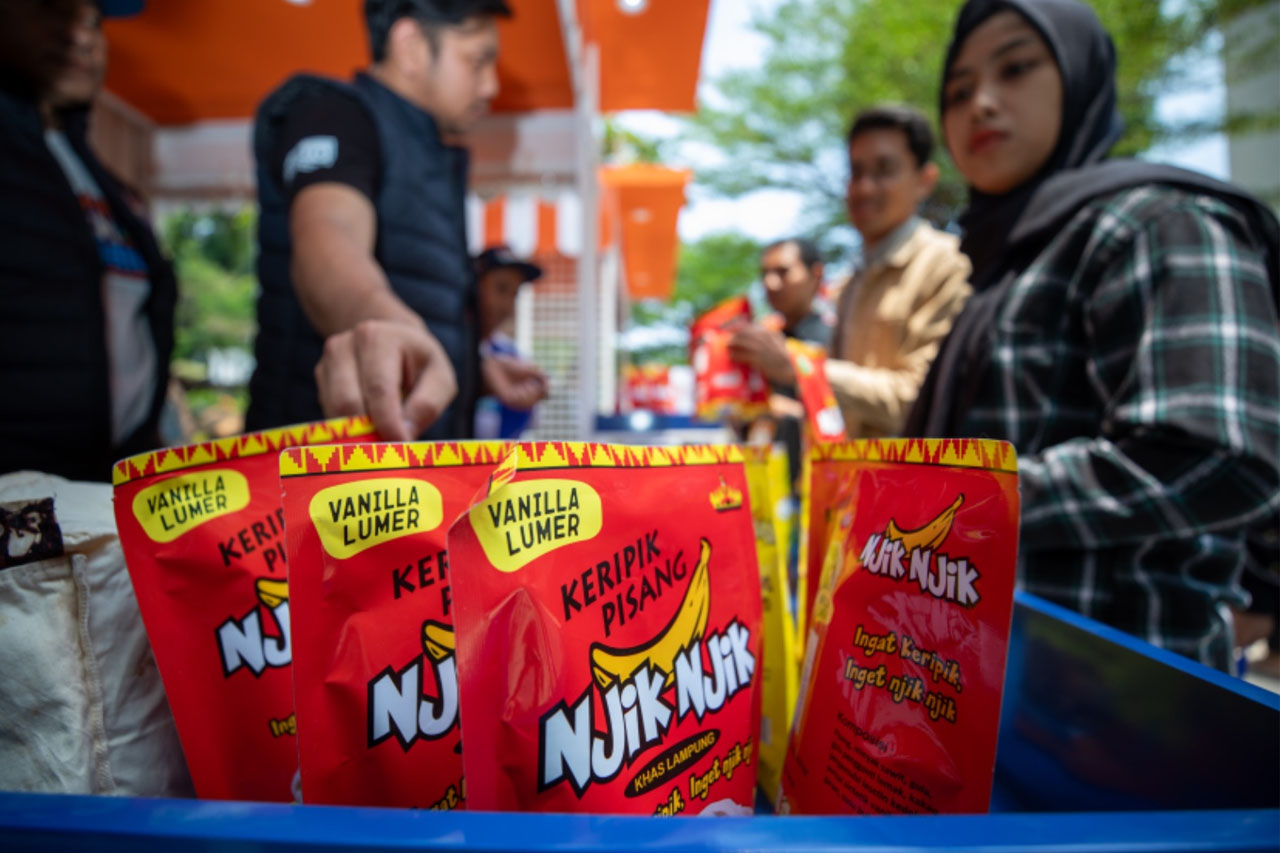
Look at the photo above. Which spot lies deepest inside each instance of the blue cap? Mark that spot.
(120, 8)
(501, 257)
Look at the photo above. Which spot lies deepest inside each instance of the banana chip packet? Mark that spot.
(202, 530)
(770, 494)
(904, 659)
(608, 632)
(374, 672)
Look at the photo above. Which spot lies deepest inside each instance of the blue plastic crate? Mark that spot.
(1106, 744)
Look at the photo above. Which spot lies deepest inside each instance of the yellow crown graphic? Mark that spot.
(725, 497)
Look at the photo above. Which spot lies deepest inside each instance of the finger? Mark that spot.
(379, 364)
(432, 385)
(337, 380)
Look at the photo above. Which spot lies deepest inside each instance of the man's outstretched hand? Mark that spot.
(516, 383)
(394, 372)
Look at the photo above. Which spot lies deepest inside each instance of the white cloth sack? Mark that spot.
(82, 709)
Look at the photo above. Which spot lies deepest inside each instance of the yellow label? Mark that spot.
(355, 516)
(171, 507)
(523, 521)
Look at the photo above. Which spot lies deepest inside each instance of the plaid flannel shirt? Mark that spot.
(1136, 369)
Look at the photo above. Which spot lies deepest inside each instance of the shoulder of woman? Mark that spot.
(1165, 214)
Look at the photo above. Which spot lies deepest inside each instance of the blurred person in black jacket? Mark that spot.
(87, 328)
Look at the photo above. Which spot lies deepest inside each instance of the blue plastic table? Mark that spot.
(1106, 744)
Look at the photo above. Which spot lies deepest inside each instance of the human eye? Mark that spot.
(1015, 68)
(955, 96)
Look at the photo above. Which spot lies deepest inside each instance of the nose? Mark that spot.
(985, 100)
(489, 82)
(862, 183)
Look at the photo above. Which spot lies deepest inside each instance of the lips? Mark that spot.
(984, 139)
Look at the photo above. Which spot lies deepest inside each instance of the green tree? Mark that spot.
(783, 123)
(708, 271)
(213, 255)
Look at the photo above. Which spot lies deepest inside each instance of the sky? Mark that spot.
(731, 43)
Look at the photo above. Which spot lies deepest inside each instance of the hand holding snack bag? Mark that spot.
(203, 536)
(904, 663)
(374, 670)
(608, 632)
(721, 385)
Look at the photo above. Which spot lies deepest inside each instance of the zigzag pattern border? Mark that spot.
(530, 455)
(954, 452)
(170, 459)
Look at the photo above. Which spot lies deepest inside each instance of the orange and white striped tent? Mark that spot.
(186, 75)
(638, 213)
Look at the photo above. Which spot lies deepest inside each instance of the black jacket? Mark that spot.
(420, 245)
(55, 409)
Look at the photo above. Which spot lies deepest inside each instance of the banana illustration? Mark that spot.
(686, 627)
(437, 640)
(271, 592)
(930, 535)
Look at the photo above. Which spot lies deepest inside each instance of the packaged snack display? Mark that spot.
(722, 386)
(904, 661)
(608, 630)
(374, 672)
(203, 536)
(779, 671)
(822, 414)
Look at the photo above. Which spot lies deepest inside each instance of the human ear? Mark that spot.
(407, 45)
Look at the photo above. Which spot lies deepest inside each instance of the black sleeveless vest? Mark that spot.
(420, 245)
(55, 409)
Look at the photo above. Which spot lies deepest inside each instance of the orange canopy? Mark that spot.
(182, 61)
(646, 199)
(649, 60)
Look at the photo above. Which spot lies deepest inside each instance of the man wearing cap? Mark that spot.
(87, 325)
(362, 235)
(516, 384)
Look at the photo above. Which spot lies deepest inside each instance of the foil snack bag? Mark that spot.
(202, 530)
(904, 662)
(608, 624)
(770, 506)
(374, 671)
(822, 414)
(721, 385)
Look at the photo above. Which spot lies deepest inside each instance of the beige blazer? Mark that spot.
(890, 320)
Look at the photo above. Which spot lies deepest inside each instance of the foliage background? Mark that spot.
(782, 124)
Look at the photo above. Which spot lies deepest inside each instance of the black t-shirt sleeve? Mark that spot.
(328, 137)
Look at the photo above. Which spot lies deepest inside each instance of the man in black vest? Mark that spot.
(87, 325)
(362, 234)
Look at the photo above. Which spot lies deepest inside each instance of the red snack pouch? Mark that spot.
(374, 673)
(721, 385)
(904, 663)
(203, 535)
(821, 411)
(608, 622)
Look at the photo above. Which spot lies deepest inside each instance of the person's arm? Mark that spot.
(881, 397)
(765, 350)
(338, 281)
(1184, 350)
(516, 383)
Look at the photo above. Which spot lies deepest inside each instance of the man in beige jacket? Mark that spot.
(895, 310)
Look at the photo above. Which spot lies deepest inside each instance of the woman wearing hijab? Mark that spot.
(1123, 335)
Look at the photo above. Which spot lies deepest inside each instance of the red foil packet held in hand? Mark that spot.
(608, 623)
(722, 386)
(374, 671)
(904, 662)
(202, 530)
